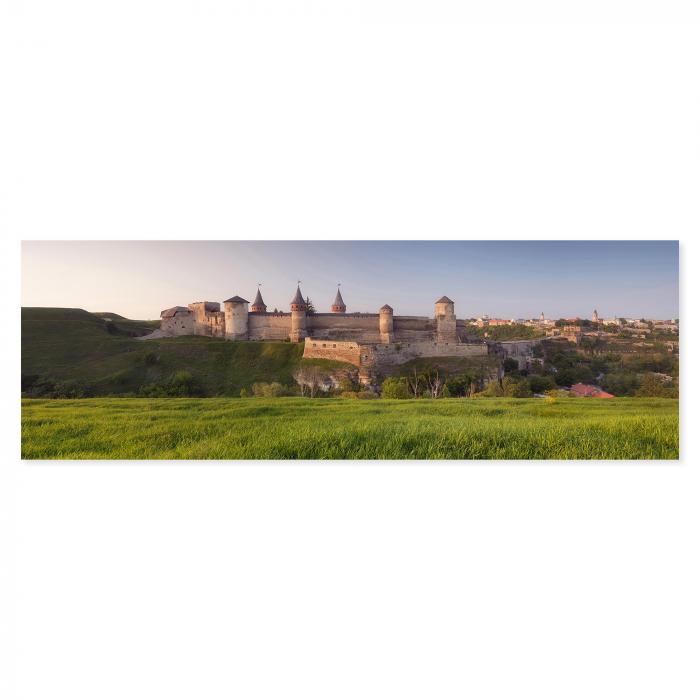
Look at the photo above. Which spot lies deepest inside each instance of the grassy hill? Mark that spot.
(105, 358)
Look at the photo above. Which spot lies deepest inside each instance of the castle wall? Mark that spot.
(400, 352)
(414, 323)
(180, 324)
(269, 326)
(345, 327)
(208, 319)
(341, 351)
(374, 356)
(422, 334)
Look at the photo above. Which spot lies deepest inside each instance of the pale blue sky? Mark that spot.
(501, 278)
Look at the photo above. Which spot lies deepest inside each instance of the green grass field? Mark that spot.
(295, 428)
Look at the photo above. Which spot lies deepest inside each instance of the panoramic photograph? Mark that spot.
(467, 350)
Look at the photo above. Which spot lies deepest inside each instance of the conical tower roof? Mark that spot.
(298, 298)
(444, 300)
(258, 299)
(338, 299)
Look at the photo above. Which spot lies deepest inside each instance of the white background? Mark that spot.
(359, 580)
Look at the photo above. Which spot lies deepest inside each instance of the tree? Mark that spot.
(574, 375)
(652, 385)
(435, 383)
(310, 308)
(311, 379)
(461, 385)
(415, 383)
(510, 365)
(516, 388)
(395, 388)
(621, 383)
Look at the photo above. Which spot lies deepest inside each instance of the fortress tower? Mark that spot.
(236, 313)
(446, 320)
(595, 318)
(386, 324)
(338, 306)
(298, 308)
(259, 306)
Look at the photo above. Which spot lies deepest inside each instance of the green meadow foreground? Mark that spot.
(296, 428)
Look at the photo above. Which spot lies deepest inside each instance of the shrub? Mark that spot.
(180, 384)
(493, 388)
(395, 388)
(268, 389)
(47, 388)
(244, 393)
(367, 395)
(541, 383)
(345, 383)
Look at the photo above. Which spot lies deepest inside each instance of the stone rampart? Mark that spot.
(376, 355)
(341, 351)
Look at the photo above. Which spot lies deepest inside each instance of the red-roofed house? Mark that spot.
(589, 391)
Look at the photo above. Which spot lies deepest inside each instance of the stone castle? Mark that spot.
(368, 341)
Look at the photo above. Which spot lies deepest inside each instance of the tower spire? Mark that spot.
(298, 300)
(259, 305)
(338, 306)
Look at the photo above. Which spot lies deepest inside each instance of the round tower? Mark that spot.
(338, 306)
(258, 304)
(446, 320)
(386, 324)
(595, 318)
(298, 308)
(236, 318)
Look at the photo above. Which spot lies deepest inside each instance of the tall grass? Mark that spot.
(296, 428)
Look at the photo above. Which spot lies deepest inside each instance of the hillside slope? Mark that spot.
(75, 346)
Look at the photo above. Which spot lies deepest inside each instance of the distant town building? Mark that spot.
(595, 318)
